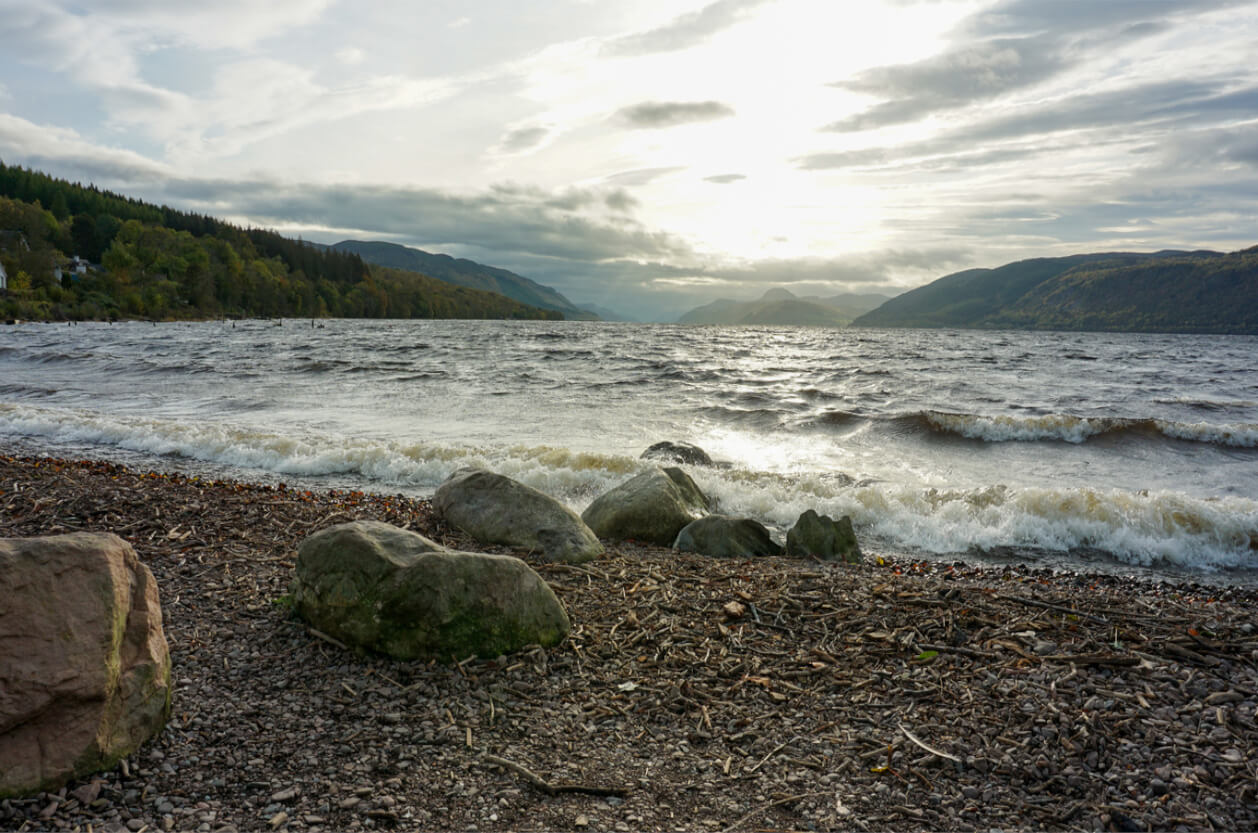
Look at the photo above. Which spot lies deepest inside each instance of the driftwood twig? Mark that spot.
(1058, 608)
(932, 750)
(548, 787)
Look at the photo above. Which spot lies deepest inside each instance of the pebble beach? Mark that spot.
(692, 693)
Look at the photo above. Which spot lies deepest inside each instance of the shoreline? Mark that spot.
(1058, 700)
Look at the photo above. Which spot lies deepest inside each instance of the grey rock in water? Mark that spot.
(719, 535)
(678, 453)
(823, 537)
(384, 589)
(495, 509)
(651, 507)
(85, 668)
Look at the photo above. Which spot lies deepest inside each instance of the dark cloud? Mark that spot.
(651, 114)
(971, 73)
(523, 138)
(1040, 18)
(1169, 104)
(724, 179)
(1009, 47)
(684, 31)
(503, 219)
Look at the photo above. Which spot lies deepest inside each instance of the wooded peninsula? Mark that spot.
(74, 252)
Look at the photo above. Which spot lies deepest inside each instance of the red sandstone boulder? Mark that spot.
(84, 665)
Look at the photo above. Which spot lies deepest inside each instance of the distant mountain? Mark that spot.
(1169, 291)
(463, 272)
(604, 313)
(780, 307)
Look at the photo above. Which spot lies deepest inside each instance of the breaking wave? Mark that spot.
(1137, 528)
(1074, 429)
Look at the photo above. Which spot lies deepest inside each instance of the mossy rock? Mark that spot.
(379, 588)
(494, 509)
(822, 537)
(651, 507)
(722, 536)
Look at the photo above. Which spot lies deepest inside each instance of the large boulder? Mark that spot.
(495, 509)
(84, 665)
(822, 537)
(720, 535)
(380, 588)
(651, 507)
(678, 453)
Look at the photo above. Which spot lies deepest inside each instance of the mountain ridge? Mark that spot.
(780, 307)
(1165, 291)
(466, 273)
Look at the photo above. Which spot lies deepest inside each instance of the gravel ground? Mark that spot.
(693, 693)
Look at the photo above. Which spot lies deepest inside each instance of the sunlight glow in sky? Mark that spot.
(650, 156)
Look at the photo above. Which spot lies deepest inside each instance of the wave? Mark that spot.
(1074, 429)
(1141, 529)
(1136, 528)
(575, 476)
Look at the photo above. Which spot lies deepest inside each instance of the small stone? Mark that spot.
(581, 821)
(734, 610)
(136, 825)
(285, 795)
(87, 793)
(350, 803)
(278, 820)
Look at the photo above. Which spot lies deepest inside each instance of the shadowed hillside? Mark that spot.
(1170, 291)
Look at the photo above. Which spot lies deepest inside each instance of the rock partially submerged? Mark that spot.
(722, 536)
(651, 507)
(823, 537)
(495, 509)
(85, 668)
(678, 453)
(384, 589)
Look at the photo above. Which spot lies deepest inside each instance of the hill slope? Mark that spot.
(156, 262)
(463, 272)
(779, 307)
(1168, 291)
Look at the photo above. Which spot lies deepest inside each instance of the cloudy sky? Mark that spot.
(650, 155)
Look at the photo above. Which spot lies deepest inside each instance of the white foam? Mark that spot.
(1005, 428)
(1158, 528)
(1237, 435)
(576, 477)
(1143, 528)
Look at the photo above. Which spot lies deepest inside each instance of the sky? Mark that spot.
(652, 155)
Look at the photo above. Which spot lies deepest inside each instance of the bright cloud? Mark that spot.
(650, 154)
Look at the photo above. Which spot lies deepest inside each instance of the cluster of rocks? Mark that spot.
(85, 678)
(376, 587)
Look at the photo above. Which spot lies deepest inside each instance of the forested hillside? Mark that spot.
(463, 272)
(1199, 292)
(160, 263)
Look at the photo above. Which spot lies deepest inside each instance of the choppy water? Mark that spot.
(1134, 451)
